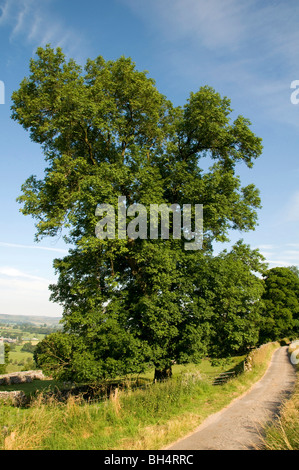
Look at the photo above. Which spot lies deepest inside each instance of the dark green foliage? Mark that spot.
(28, 347)
(108, 132)
(281, 304)
(232, 290)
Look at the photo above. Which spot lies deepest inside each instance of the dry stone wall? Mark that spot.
(18, 397)
(21, 377)
(15, 398)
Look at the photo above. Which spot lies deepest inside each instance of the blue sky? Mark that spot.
(248, 51)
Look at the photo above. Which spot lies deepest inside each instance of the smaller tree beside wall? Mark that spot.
(280, 316)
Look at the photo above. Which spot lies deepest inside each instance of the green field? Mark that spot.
(19, 360)
(23, 333)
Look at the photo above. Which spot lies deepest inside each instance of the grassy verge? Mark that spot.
(32, 388)
(148, 418)
(283, 434)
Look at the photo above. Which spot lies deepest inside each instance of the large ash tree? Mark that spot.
(106, 132)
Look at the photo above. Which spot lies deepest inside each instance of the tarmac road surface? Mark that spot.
(239, 426)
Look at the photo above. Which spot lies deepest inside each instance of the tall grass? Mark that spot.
(283, 434)
(147, 418)
(115, 423)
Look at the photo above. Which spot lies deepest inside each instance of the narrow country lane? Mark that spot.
(239, 425)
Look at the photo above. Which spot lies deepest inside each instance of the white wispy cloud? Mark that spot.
(32, 22)
(214, 23)
(33, 247)
(278, 263)
(251, 48)
(242, 26)
(9, 272)
(266, 247)
(5, 12)
(292, 208)
(281, 256)
(25, 293)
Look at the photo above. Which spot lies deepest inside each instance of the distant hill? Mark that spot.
(35, 320)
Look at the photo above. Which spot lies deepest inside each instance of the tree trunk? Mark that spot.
(163, 374)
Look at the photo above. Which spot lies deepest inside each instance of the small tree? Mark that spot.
(232, 288)
(281, 304)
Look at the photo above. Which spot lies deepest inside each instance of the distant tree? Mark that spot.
(281, 304)
(29, 364)
(28, 347)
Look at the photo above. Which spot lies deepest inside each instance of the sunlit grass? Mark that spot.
(146, 418)
(283, 433)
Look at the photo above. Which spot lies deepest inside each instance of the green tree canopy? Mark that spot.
(108, 132)
(281, 304)
(232, 288)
